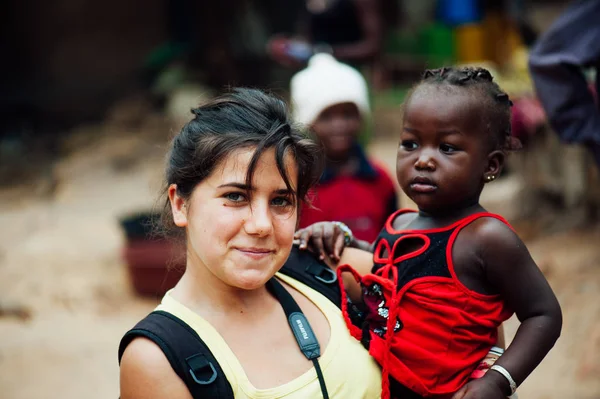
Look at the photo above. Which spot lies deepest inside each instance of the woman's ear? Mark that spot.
(178, 207)
(495, 164)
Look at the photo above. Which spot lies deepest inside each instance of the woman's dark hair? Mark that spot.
(479, 82)
(242, 118)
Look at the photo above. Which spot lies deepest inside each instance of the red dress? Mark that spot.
(441, 328)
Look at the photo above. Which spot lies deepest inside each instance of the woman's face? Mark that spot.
(241, 235)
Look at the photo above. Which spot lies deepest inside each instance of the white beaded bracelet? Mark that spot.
(506, 374)
(348, 236)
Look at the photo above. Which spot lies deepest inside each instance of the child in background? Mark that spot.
(332, 99)
(445, 277)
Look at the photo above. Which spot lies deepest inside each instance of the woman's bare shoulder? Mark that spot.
(146, 373)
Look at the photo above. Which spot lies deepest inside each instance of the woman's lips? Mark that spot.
(256, 253)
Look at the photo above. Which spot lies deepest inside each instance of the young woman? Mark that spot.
(236, 176)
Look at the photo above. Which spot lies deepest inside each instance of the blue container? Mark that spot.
(459, 12)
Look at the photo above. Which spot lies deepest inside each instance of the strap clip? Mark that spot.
(322, 273)
(199, 365)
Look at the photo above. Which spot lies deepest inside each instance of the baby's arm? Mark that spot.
(361, 261)
(328, 240)
(509, 268)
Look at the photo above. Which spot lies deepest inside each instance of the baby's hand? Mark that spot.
(327, 239)
(480, 389)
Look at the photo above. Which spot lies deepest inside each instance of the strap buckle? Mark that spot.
(198, 364)
(322, 273)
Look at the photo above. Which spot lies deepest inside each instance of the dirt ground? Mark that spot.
(65, 298)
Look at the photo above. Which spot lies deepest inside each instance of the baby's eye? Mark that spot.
(408, 145)
(235, 197)
(448, 148)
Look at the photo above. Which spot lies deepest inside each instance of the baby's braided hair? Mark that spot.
(497, 112)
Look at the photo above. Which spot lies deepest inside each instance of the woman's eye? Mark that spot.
(235, 197)
(448, 148)
(281, 202)
(408, 145)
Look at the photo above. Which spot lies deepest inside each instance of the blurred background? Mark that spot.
(91, 92)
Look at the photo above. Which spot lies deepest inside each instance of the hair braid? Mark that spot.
(497, 102)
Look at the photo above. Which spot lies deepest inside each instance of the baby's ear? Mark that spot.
(495, 164)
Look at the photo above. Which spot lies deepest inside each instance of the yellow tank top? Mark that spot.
(349, 371)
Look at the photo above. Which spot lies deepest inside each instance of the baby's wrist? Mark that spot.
(500, 381)
(488, 361)
(348, 236)
(360, 244)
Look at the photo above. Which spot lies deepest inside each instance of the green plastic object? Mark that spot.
(437, 40)
(405, 43)
(162, 56)
(433, 42)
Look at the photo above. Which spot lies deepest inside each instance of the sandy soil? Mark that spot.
(65, 298)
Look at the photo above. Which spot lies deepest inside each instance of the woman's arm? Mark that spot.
(511, 270)
(147, 374)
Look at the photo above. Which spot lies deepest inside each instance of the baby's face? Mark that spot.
(337, 128)
(443, 152)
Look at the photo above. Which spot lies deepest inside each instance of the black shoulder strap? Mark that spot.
(188, 355)
(306, 268)
(303, 332)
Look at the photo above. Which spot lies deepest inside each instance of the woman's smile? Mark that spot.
(255, 253)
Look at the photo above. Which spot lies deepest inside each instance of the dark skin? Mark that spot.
(445, 157)
(337, 128)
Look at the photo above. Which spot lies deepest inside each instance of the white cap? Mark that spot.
(326, 82)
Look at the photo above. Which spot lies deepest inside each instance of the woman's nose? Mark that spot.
(259, 221)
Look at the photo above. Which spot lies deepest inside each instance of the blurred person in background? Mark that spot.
(351, 30)
(558, 64)
(332, 99)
